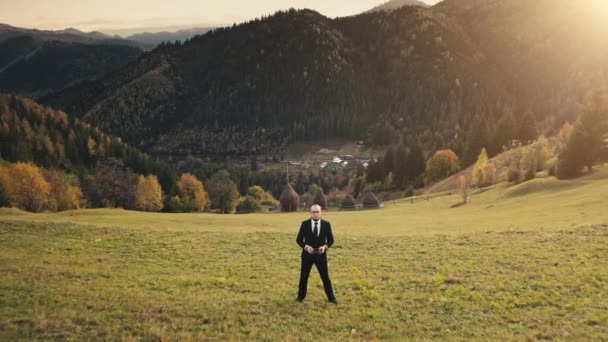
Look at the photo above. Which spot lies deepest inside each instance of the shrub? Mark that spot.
(248, 204)
(514, 175)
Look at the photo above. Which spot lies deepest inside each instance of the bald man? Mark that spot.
(315, 237)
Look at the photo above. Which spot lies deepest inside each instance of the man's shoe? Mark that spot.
(333, 301)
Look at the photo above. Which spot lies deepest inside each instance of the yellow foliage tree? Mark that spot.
(28, 188)
(5, 175)
(489, 172)
(193, 195)
(479, 176)
(463, 188)
(256, 192)
(148, 194)
(5, 200)
(65, 191)
(544, 152)
(564, 133)
(442, 164)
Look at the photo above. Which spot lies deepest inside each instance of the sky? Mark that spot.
(119, 16)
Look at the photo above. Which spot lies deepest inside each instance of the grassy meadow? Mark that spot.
(526, 262)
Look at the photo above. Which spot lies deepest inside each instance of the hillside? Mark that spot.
(293, 73)
(419, 73)
(30, 132)
(551, 53)
(501, 162)
(34, 67)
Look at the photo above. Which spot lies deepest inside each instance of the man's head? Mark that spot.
(315, 212)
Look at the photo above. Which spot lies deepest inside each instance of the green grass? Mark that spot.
(529, 265)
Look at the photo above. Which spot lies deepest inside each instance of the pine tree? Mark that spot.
(5, 200)
(586, 144)
(388, 162)
(527, 130)
(505, 132)
(476, 140)
(400, 167)
(416, 164)
(375, 171)
(299, 188)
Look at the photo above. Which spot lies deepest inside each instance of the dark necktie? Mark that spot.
(315, 230)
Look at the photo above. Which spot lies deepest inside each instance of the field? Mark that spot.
(516, 263)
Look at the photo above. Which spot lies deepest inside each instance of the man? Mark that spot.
(315, 237)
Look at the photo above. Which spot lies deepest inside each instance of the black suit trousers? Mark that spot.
(319, 260)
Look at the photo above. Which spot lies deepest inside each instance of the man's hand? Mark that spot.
(322, 249)
(309, 249)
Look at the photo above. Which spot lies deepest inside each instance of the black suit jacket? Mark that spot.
(305, 236)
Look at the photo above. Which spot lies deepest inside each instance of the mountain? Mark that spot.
(33, 67)
(34, 62)
(411, 74)
(397, 4)
(150, 40)
(209, 95)
(296, 75)
(70, 35)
